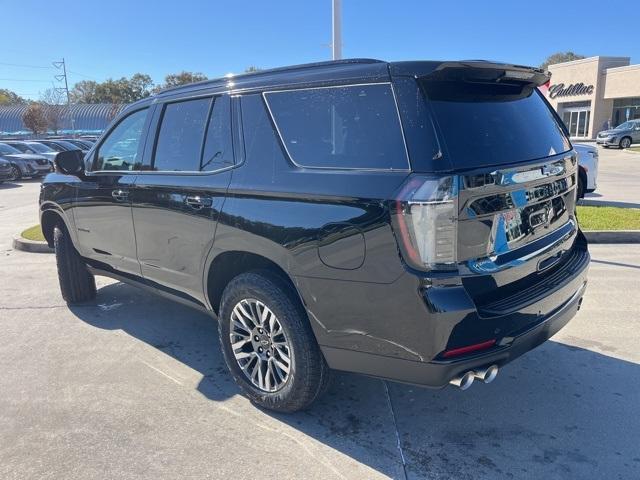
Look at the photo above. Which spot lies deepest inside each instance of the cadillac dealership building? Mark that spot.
(594, 93)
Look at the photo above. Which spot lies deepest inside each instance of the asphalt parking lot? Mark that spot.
(133, 386)
(618, 179)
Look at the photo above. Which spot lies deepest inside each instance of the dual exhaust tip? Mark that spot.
(485, 375)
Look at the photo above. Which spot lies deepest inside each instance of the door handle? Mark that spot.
(197, 202)
(120, 195)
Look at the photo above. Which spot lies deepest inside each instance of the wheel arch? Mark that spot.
(49, 218)
(626, 136)
(229, 264)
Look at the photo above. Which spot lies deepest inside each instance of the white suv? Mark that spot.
(588, 168)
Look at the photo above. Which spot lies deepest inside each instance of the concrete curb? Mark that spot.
(25, 245)
(595, 202)
(613, 236)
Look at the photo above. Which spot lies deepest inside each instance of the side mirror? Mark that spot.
(70, 162)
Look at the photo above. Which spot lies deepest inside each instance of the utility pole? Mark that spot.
(336, 44)
(63, 66)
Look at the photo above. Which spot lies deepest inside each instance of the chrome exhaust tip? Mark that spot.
(487, 375)
(463, 381)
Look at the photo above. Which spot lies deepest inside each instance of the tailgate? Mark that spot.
(516, 230)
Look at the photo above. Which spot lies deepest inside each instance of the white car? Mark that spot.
(587, 168)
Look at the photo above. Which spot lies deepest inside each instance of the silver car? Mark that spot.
(622, 136)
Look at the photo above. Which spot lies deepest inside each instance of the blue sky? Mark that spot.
(117, 38)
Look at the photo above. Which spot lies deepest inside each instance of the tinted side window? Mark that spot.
(179, 143)
(340, 127)
(218, 145)
(119, 151)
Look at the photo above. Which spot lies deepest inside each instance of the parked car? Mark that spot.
(335, 216)
(622, 136)
(81, 144)
(61, 145)
(587, 168)
(5, 170)
(24, 164)
(34, 148)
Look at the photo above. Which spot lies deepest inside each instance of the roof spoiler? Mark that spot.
(479, 71)
(488, 72)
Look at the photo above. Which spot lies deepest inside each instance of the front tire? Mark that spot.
(77, 284)
(625, 142)
(16, 174)
(268, 344)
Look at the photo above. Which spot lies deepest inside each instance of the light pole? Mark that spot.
(336, 44)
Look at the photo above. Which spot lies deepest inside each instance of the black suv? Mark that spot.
(413, 221)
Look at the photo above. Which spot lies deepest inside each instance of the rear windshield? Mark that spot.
(493, 124)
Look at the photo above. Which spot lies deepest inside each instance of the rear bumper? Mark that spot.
(411, 334)
(437, 374)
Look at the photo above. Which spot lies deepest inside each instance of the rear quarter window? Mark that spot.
(353, 127)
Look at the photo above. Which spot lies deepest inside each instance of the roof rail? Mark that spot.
(269, 71)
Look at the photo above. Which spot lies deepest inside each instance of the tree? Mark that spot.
(560, 57)
(34, 118)
(84, 92)
(122, 90)
(113, 111)
(7, 97)
(252, 69)
(52, 101)
(182, 78)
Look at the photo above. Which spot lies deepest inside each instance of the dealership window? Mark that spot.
(625, 109)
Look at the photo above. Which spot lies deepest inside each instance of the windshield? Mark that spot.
(67, 145)
(40, 148)
(624, 126)
(484, 124)
(8, 149)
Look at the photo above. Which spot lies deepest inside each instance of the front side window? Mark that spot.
(119, 151)
(354, 126)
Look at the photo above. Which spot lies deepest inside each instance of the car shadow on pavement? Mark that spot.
(7, 185)
(560, 411)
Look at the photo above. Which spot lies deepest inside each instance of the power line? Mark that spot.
(81, 74)
(23, 80)
(24, 65)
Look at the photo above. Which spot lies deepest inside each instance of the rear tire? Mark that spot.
(625, 142)
(77, 284)
(254, 343)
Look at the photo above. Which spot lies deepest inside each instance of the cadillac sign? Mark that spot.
(559, 90)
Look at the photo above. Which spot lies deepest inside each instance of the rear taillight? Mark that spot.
(425, 221)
